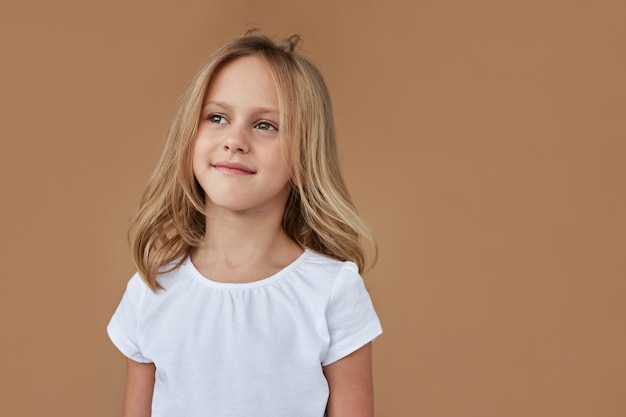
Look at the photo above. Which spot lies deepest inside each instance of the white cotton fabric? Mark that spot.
(241, 350)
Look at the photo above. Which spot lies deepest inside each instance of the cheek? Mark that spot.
(200, 150)
(198, 158)
(283, 155)
(284, 176)
(280, 162)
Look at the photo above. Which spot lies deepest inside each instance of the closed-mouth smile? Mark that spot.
(233, 168)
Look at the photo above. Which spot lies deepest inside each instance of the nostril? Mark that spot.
(235, 148)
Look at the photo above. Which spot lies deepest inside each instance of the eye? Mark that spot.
(264, 125)
(216, 118)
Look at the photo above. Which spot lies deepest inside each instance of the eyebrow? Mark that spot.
(226, 106)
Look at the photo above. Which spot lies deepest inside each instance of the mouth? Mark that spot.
(233, 168)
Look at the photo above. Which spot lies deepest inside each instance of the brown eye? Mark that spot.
(265, 126)
(216, 118)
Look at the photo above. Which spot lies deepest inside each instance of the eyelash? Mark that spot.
(216, 118)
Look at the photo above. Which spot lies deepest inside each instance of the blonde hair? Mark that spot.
(319, 213)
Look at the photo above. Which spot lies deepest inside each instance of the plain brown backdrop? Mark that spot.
(484, 142)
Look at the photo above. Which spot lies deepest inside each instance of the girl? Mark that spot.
(248, 299)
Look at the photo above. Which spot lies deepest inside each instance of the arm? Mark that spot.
(139, 388)
(350, 383)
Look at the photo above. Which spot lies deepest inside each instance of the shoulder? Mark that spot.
(138, 288)
(327, 275)
(172, 273)
(324, 264)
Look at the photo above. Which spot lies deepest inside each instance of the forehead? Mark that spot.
(243, 81)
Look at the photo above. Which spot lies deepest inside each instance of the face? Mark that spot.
(237, 156)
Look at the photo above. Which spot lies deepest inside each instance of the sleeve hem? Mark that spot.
(117, 340)
(368, 334)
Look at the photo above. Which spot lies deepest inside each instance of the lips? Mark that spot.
(233, 168)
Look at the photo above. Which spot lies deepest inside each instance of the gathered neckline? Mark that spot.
(188, 263)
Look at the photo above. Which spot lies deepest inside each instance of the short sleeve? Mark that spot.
(122, 328)
(352, 320)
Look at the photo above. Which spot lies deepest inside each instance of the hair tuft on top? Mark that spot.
(291, 43)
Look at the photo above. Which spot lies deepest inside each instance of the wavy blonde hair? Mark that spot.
(319, 213)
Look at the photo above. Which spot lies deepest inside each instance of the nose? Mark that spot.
(236, 141)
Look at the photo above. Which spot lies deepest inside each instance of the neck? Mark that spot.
(235, 240)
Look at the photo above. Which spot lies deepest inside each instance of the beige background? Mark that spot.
(484, 142)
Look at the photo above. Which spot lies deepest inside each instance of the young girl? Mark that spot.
(248, 299)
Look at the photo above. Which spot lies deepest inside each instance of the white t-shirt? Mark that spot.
(241, 350)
